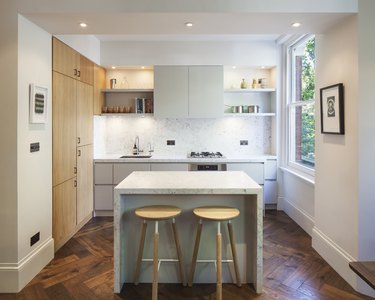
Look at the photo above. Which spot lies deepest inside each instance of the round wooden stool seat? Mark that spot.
(216, 213)
(158, 212)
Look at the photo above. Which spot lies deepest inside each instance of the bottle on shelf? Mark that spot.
(243, 83)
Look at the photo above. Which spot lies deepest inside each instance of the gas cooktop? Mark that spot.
(206, 155)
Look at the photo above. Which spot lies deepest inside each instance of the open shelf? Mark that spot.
(127, 90)
(268, 90)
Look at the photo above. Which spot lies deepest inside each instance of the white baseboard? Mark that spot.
(339, 260)
(15, 276)
(299, 216)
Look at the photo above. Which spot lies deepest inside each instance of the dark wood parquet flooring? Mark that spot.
(83, 269)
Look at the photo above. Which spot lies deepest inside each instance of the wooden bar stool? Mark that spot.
(219, 214)
(157, 213)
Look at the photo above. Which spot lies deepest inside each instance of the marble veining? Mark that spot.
(116, 134)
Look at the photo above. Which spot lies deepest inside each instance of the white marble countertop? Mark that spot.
(188, 183)
(115, 158)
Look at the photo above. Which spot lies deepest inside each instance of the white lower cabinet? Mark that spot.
(254, 170)
(270, 192)
(169, 167)
(265, 174)
(106, 177)
(103, 197)
(123, 170)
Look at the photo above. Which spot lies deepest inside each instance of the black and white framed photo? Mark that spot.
(38, 104)
(332, 109)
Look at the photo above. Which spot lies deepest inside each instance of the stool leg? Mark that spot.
(179, 254)
(234, 253)
(195, 253)
(219, 265)
(140, 252)
(155, 264)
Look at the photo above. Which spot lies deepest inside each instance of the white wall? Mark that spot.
(32, 200)
(188, 53)
(87, 45)
(343, 210)
(296, 198)
(8, 129)
(34, 169)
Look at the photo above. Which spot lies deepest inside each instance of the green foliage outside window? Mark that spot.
(308, 112)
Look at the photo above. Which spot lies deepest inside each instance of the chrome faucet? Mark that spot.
(150, 148)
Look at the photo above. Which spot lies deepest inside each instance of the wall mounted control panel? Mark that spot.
(34, 147)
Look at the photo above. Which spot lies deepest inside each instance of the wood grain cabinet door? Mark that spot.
(64, 211)
(85, 107)
(85, 183)
(64, 128)
(64, 59)
(86, 70)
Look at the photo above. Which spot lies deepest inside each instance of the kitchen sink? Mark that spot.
(136, 156)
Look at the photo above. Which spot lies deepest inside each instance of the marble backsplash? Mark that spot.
(116, 134)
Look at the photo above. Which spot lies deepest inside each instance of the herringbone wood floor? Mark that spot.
(83, 269)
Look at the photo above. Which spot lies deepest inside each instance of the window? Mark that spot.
(301, 105)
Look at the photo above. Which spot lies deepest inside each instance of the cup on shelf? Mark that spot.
(104, 109)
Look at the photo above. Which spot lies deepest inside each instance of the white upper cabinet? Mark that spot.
(188, 91)
(206, 84)
(171, 91)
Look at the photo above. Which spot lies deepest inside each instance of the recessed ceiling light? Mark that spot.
(234, 67)
(113, 67)
(83, 24)
(262, 67)
(188, 24)
(296, 24)
(142, 67)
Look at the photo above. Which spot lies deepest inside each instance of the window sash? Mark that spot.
(291, 105)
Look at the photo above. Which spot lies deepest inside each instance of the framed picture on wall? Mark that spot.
(38, 104)
(332, 109)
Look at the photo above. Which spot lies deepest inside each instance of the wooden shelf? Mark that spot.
(127, 90)
(251, 114)
(268, 90)
(127, 114)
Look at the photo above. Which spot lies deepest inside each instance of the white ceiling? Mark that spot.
(133, 20)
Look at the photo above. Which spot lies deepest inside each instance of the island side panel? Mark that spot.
(254, 222)
(246, 232)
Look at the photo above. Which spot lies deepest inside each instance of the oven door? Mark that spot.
(207, 167)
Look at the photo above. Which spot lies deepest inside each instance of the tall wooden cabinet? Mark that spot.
(73, 104)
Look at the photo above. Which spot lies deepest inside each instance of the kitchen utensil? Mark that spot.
(237, 109)
(253, 108)
(112, 83)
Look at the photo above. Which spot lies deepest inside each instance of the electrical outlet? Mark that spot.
(244, 142)
(35, 238)
(171, 142)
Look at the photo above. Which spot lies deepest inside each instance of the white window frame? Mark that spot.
(290, 106)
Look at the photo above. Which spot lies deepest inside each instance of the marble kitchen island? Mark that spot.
(188, 190)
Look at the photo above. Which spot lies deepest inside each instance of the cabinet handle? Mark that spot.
(79, 140)
(79, 152)
(75, 170)
(79, 73)
(75, 72)
(75, 183)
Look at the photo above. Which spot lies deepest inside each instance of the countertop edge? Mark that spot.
(257, 158)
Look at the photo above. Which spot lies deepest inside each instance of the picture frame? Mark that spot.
(38, 104)
(332, 109)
